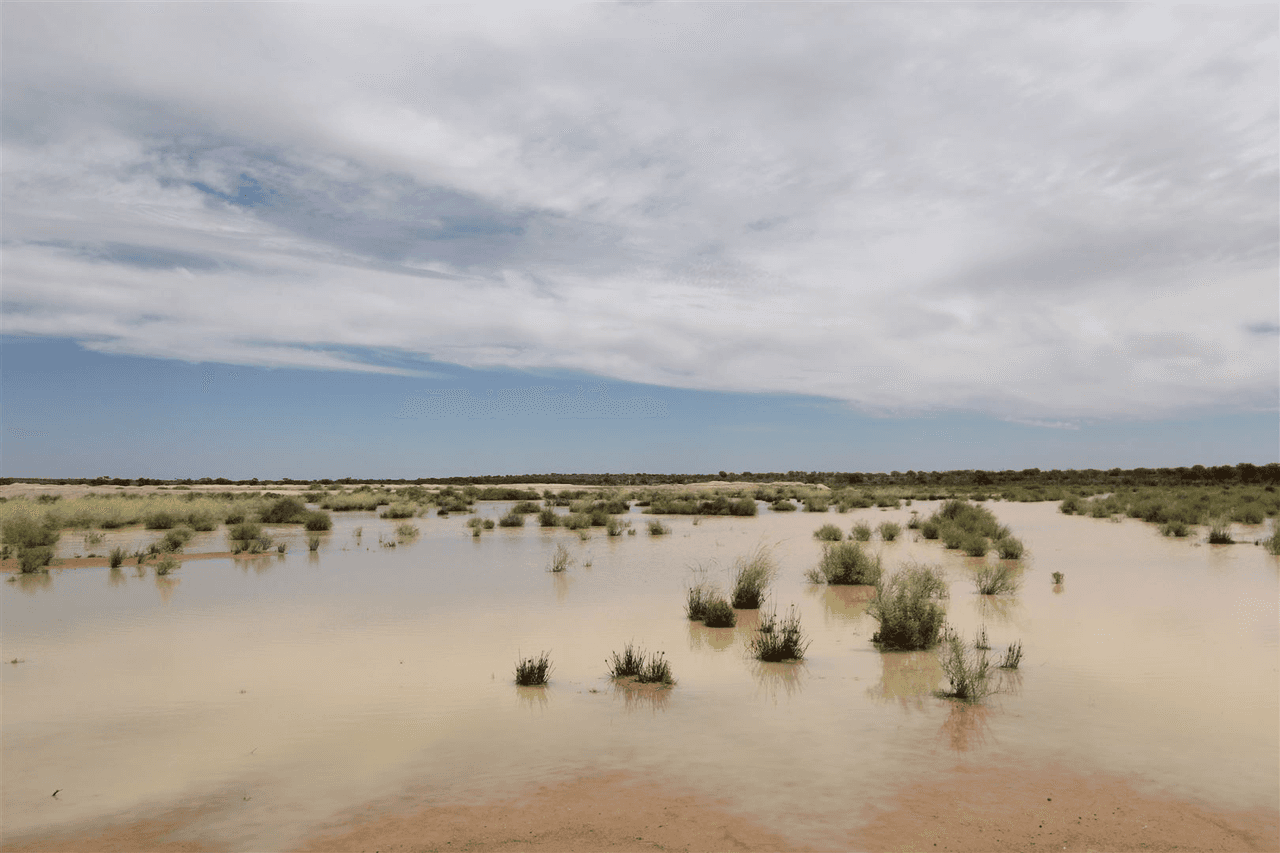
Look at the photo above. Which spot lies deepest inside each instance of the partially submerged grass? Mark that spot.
(862, 531)
(511, 519)
(166, 564)
(980, 641)
(407, 531)
(996, 580)
(313, 543)
(1012, 655)
(615, 526)
(779, 639)
(1009, 548)
(974, 544)
(1272, 544)
(1058, 577)
(1220, 532)
(533, 671)
(1177, 528)
(560, 560)
(829, 533)
(889, 530)
(657, 528)
(906, 606)
(717, 612)
(117, 556)
(547, 517)
(968, 669)
(646, 669)
(846, 563)
(751, 574)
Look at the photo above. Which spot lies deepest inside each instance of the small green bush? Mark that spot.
(829, 533)
(159, 520)
(628, 664)
(560, 560)
(862, 531)
(1012, 655)
(547, 517)
(889, 530)
(751, 574)
(968, 669)
(846, 563)
(166, 564)
(285, 511)
(1272, 544)
(1220, 532)
(906, 606)
(974, 544)
(816, 504)
(1058, 577)
(576, 521)
(717, 612)
(533, 671)
(930, 529)
(400, 510)
(407, 531)
(526, 508)
(782, 505)
(511, 519)
(117, 556)
(614, 526)
(1009, 548)
(34, 558)
(317, 520)
(779, 640)
(657, 528)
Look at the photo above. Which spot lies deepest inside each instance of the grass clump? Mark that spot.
(174, 540)
(657, 528)
(1272, 544)
(1009, 548)
(547, 517)
(615, 526)
(968, 669)
(407, 531)
(533, 671)
(511, 519)
(829, 533)
(1220, 532)
(400, 510)
(751, 574)
(1058, 577)
(117, 556)
(285, 511)
(846, 563)
(862, 531)
(974, 544)
(783, 505)
(526, 508)
(889, 530)
(996, 580)
(779, 639)
(906, 606)
(560, 560)
(166, 565)
(645, 669)
(1012, 655)
(317, 520)
(1177, 528)
(717, 612)
(32, 540)
(313, 543)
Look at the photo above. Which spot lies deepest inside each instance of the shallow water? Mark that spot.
(288, 688)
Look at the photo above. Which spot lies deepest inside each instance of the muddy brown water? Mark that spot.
(292, 688)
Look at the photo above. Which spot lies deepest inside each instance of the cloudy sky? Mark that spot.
(314, 240)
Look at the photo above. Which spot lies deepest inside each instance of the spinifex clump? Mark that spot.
(846, 563)
(646, 669)
(779, 639)
(751, 574)
(906, 606)
(533, 671)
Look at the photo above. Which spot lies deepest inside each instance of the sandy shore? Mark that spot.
(965, 809)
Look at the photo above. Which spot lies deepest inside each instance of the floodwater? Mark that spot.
(290, 688)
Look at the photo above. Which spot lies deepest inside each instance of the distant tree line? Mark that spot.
(1244, 473)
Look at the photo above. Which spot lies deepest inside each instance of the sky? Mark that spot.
(322, 240)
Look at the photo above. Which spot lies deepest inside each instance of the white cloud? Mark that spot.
(1043, 213)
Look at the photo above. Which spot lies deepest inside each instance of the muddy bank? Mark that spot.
(966, 809)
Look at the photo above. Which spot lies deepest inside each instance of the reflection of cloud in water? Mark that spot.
(907, 677)
(533, 698)
(779, 678)
(966, 727)
(33, 582)
(166, 586)
(843, 603)
(638, 697)
(702, 637)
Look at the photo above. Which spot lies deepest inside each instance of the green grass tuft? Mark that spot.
(829, 533)
(717, 612)
(657, 528)
(779, 639)
(560, 560)
(751, 574)
(996, 580)
(889, 530)
(1220, 532)
(533, 671)
(906, 606)
(1009, 548)
(969, 670)
(846, 563)
(1012, 655)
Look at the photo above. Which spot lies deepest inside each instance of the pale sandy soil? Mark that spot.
(965, 809)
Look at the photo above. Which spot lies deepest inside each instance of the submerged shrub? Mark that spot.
(526, 508)
(117, 556)
(829, 533)
(317, 520)
(628, 663)
(174, 540)
(34, 558)
(974, 544)
(717, 612)
(657, 528)
(533, 671)
(862, 531)
(1175, 528)
(614, 526)
(930, 529)
(889, 530)
(244, 531)
(399, 510)
(646, 669)
(783, 505)
(1009, 548)
(779, 639)
(547, 517)
(906, 606)
(560, 560)
(968, 669)
(167, 564)
(407, 531)
(1272, 544)
(576, 521)
(751, 574)
(996, 580)
(846, 563)
(1058, 577)
(1220, 532)
(511, 519)
(159, 520)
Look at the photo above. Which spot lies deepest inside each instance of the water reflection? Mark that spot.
(702, 637)
(260, 563)
(532, 697)
(907, 677)
(844, 603)
(1000, 609)
(166, 586)
(776, 679)
(1058, 588)
(562, 582)
(32, 582)
(637, 697)
(967, 726)
(115, 577)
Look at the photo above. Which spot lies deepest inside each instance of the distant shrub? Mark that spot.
(862, 531)
(285, 511)
(202, 522)
(783, 505)
(816, 504)
(889, 530)
(399, 510)
(1009, 548)
(511, 519)
(547, 517)
(317, 520)
(829, 533)
(846, 563)
(906, 606)
(657, 528)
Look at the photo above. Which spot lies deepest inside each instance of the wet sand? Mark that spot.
(966, 809)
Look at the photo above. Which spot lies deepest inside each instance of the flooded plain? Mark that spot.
(292, 688)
